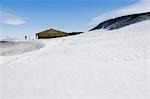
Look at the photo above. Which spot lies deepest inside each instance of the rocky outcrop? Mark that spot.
(122, 21)
(74, 33)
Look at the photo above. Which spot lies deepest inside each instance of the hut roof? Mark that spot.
(50, 30)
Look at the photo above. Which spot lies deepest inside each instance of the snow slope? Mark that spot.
(94, 65)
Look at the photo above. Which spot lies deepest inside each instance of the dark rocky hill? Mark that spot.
(74, 33)
(122, 21)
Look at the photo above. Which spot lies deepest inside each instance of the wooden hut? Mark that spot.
(50, 33)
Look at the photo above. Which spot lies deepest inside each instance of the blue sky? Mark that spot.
(26, 17)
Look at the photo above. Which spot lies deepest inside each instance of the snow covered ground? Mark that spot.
(94, 65)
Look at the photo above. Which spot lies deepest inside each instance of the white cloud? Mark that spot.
(10, 19)
(139, 7)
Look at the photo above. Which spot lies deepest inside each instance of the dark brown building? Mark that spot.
(50, 33)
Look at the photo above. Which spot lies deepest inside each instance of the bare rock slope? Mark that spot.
(123, 21)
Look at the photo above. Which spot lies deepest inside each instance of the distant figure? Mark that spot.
(25, 37)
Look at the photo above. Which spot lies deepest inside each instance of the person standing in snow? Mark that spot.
(25, 37)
